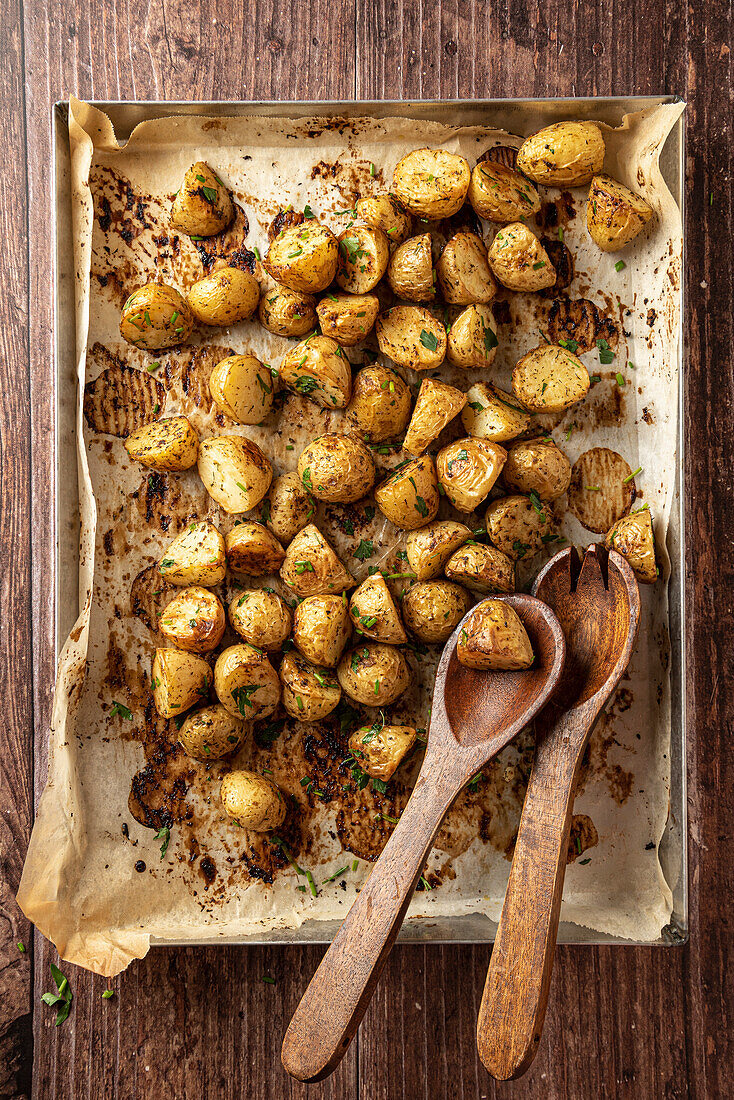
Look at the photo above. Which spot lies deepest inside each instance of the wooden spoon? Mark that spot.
(474, 715)
(598, 604)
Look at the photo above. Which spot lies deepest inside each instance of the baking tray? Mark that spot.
(519, 116)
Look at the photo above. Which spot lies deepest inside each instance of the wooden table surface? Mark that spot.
(622, 1022)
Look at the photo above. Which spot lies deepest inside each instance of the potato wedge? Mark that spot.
(318, 369)
(614, 214)
(411, 337)
(235, 472)
(156, 317)
(565, 154)
(242, 388)
(431, 183)
(502, 194)
(409, 497)
(261, 617)
(202, 206)
(490, 413)
(168, 444)
(380, 403)
(179, 681)
(337, 468)
(374, 614)
(520, 526)
(430, 547)
(463, 270)
(321, 629)
(379, 749)
(246, 683)
(310, 693)
(385, 212)
(481, 568)
(196, 556)
(194, 620)
(253, 801)
(212, 733)
(311, 566)
(519, 260)
(549, 379)
(286, 312)
(410, 271)
(467, 469)
(602, 489)
(433, 609)
(436, 406)
(472, 339)
(363, 258)
(373, 674)
(288, 507)
(224, 297)
(632, 537)
(252, 550)
(303, 257)
(494, 638)
(537, 465)
(348, 318)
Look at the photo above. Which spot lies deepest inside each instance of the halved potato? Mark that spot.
(211, 733)
(337, 468)
(537, 465)
(318, 369)
(261, 617)
(169, 444)
(246, 683)
(519, 260)
(463, 271)
(502, 194)
(429, 548)
(303, 257)
(242, 387)
(224, 297)
(321, 629)
(288, 507)
(632, 537)
(348, 318)
(494, 637)
(374, 614)
(410, 271)
(310, 693)
(602, 489)
(253, 550)
(411, 337)
(578, 324)
(614, 214)
(202, 206)
(549, 379)
(472, 342)
(385, 212)
(490, 413)
(379, 749)
(565, 154)
(363, 258)
(433, 609)
(380, 404)
(179, 681)
(311, 566)
(196, 556)
(194, 620)
(156, 316)
(481, 568)
(373, 674)
(286, 312)
(409, 495)
(436, 406)
(431, 183)
(235, 472)
(520, 526)
(467, 469)
(253, 801)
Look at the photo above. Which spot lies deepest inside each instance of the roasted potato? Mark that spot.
(467, 469)
(431, 183)
(520, 526)
(472, 339)
(549, 379)
(288, 507)
(318, 369)
(537, 465)
(286, 312)
(411, 337)
(374, 614)
(464, 275)
(379, 749)
(481, 568)
(242, 388)
(490, 413)
(235, 472)
(194, 620)
(321, 629)
(303, 257)
(253, 550)
(253, 801)
(493, 637)
(565, 154)
(579, 324)
(502, 194)
(385, 212)
(409, 495)
(196, 556)
(261, 617)
(225, 297)
(246, 683)
(202, 206)
(337, 468)
(348, 318)
(309, 693)
(519, 260)
(632, 537)
(380, 404)
(156, 317)
(169, 444)
(436, 406)
(432, 609)
(429, 548)
(410, 271)
(373, 674)
(363, 258)
(614, 214)
(311, 566)
(602, 489)
(211, 733)
(179, 680)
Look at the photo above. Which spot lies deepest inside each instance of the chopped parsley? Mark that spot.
(429, 340)
(120, 708)
(606, 355)
(365, 550)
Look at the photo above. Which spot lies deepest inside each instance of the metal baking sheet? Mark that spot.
(521, 116)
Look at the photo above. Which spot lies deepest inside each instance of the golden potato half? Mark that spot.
(246, 683)
(287, 312)
(614, 214)
(472, 340)
(194, 620)
(502, 194)
(363, 258)
(373, 674)
(169, 444)
(433, 609)
(253, 801)
(409, 497)
(225, 297)
(467, 470)
(318, 369)
(310, 693)
(385, 212)
(463, 271)
(519, 260)
(490, 413)
(632, 537)
(565, 154)
(348, 318)
(303, 258)
(321, 629)
(311, 566)
(410, 271)
(261, 617)
(602, 489)
(481, 568)
(430, 547)
(235, 472)
(549, 379)
(537, 465)
(337, 468)
(520, 526)
(411, 337)
(179, 681)
(431, 183)
(379, 750)
(196, 556)
(252, 550)
(374, 614)
(288, 507)
(211, 733)
(202, 206)
(380, 404)
(242, 388)
(436, 406)
(494, 638)
(156, 317)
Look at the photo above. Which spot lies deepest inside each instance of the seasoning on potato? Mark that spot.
(321, 629)
(431, 183)
(225, 297)
(168, 444)
(602, 489)
(246, 683)
(196, 556)
(410, 271)
(520, 526)
(252, 550)
(430, 547)
(380, 749)
(303, 257)
(253, 801)
(310, 693)
(156, 316)
(235, 472)
(549, 379)
(501, 194)
(337, 468)
(202, 206)
(348, 318)
(436, 406)
(385, 212)
(380, 404)
(472, 339)
(494, 638)
(373, 674)
(519, 260)
(537, 465)
(318, 369)
(179, 681)
(194, 620)
(467, 469)
(632, 537)
(433, 609)
(490, 413)
(211, 733)
(565, 154)
(311, 566)
(481, 568)
(261, 617)
(614, 214)
(288, 508)
(363, 258)
(286, 312)
(409, 496)
(463, 270)
(242, 388)
(374, 614)
(411, 337)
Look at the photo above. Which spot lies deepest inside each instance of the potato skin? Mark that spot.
(321, 629)
(310, 693)
(411, 337)
(246, 683)
(463, 270)
(253, 801)
(410, 271)
(211, 733)
(286, 312)
(168, 444)
(202, 206)
(179, 680)
(549, 379)
(337, 468)
(196, 556)
(373, 674)
(194, 620)
(430, 547)
(288, 507)
(472, 339)
(433, 609)
(481, 568)
(235, 472)
(363, 258)
(493, 637)
(318, 369)
(436, 406)
(253, 550)
(379, 751)
(519, 260)
(614, 213)
(261, 617)
(303, 258)
(242, 388)
(501, 194)
(156, 316)
(431, 183)
(632, 537)
(348, 318)
(224, 297)
(409, 497)
(518, 528)
(467, 469)
(537, 465)
(374, 614)
(385, 212)
(565, 154)
(490, 413)
(311, 566)
(380, 404)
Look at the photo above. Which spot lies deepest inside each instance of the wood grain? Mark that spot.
(620, 1023)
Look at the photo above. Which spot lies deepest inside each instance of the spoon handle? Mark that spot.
(516, 991)
(332, 1007)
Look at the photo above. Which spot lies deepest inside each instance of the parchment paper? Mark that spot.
(80, 884)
